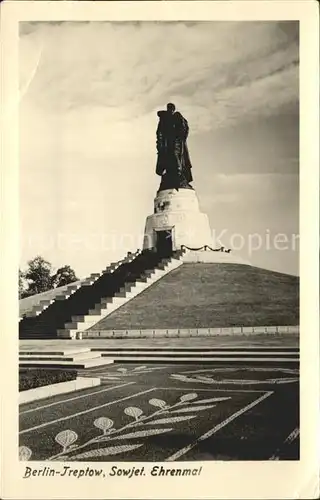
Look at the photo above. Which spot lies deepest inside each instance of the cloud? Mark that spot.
(91, 89)
(216, 71)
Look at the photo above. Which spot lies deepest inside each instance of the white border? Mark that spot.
(219, 479)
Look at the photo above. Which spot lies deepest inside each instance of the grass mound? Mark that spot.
(31, 379)
(211, 295)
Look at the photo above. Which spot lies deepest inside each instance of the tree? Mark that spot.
(63, 276)
(38, 275)
(22, 285)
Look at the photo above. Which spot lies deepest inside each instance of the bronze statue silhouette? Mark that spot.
(173, 164)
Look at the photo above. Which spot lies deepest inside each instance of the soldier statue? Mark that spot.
(173, 164)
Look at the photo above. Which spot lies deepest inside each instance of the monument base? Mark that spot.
(216, 257)
(177, 221)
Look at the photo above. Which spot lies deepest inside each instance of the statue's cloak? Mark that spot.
(173, 163)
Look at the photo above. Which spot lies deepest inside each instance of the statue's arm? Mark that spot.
(185, 127)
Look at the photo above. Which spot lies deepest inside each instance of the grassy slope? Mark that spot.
(212, 295)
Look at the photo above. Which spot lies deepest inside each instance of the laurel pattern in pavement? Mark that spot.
(161, 421)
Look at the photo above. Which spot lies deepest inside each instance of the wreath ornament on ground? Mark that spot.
(126, 372)
(196, 377)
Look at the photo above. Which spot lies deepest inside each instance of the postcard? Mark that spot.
(160, 266)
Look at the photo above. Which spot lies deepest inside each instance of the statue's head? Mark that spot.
(171, 108)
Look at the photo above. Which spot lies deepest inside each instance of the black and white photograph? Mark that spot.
(159, 296)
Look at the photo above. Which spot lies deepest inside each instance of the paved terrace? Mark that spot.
(260, 340)
(170, 412)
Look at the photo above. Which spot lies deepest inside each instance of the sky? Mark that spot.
(89, 93)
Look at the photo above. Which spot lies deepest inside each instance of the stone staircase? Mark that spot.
(130, 289)
(60, 309)
(170, 354)
(63, 293)
(67, 317)
(43, 304)
(77, 358)
(86, 357)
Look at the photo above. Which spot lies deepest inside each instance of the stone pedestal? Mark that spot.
(177, 221)
(178, 213)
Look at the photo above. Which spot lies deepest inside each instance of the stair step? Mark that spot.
(66, 332)
(80, 326)
(197, 353)
(105, 302)
(47, 357)
(196, 349)
(98, 362)
(167, 359)
(83, 319)
(65, 352)
(96, 312)
(111, 300)
(67, 364)
(37, 337)
(39, 334)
